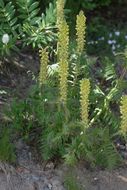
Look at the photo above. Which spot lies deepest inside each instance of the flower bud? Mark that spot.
(5, 38)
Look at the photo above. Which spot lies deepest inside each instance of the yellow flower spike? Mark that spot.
(81, 30)
(60, 11)
(63, 72)
(84, 100)
(44, 59)
(123, 111)
(63, 43)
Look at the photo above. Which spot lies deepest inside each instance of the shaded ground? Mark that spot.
(16, 76)
(29, 175)
(103, 180)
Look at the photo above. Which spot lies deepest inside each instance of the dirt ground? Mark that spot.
(104, 180)
(27, 174)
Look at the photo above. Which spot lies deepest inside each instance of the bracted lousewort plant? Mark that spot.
(63, 43)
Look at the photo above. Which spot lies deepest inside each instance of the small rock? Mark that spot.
(49, 186)
(95, 181)
(19, 144)
(55, 183)
(120, 147)
(35, 178)
(124, 154)
(50, 166)
(46, 187)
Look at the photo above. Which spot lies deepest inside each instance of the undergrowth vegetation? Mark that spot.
(71, 182)
(7, 149)
(73, 111)
(25, 26)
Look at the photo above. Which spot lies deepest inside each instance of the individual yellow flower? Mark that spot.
(81, 30)
(123, 111)
(44, 59)
(84, 100)
(62, 52)
(60, 11)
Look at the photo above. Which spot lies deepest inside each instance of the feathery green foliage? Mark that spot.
(28, 10)
(36, 30)
(6, 147)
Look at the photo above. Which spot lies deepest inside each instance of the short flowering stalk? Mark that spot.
(63, 42)
(5, 39)
(123, 111)
(84, 101)
(60, 11)
(44, 59)
(81, 30)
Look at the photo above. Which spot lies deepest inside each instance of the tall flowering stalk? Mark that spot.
(84, 100)
(63, 42)
(123, 110)
(44, 59)
(80, 39)
(81, 31)
(60, 11)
